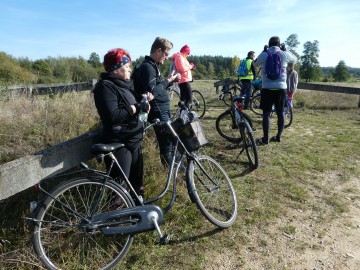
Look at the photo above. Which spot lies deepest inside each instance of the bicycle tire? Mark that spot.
(199, 103)
(255, 104)
(61, 239)
(249, 144)
(227, 127)
(174, 97)
(218, 205)
(288, 116)
(254, 92)
(226, 98)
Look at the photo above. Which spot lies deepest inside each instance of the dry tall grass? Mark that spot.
(31, 124)
(323, 138)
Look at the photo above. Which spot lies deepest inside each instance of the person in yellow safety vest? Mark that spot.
(246, 81)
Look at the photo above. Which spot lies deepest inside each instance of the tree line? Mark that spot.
(78, 69)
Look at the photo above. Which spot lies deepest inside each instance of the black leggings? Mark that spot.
(185, 93)
(268, 99)
(132, 164)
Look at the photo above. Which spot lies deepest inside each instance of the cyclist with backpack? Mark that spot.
(246, 73)
(273, 61)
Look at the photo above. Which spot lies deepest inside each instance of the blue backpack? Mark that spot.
(243, 69)
(273, 66)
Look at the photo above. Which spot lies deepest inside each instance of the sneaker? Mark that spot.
(261, 142)
(275, 139)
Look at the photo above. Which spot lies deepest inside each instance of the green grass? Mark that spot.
(307, 172)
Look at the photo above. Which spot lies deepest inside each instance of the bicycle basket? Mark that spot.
(190, 132)
(192, 135)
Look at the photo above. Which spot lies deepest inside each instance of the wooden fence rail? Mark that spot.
(20, 174)
(43, 89)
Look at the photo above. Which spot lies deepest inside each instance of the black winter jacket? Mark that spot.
(113, 98)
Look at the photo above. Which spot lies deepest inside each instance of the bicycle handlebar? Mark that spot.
(155, 122)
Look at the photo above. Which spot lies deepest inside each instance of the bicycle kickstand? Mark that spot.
(153, 217)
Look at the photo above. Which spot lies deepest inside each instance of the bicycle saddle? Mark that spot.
(105, 148)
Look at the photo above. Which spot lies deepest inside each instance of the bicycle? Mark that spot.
(198, 101)
(94, 218)
(235, 87)
(288, 110)
(236, 126)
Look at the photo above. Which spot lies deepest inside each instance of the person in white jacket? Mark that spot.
(273, 89)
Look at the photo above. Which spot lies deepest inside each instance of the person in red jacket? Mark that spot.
(183, 66)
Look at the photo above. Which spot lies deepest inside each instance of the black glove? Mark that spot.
(266, 47)
(282, 47)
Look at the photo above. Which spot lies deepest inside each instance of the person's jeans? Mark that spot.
(165, 139)
(246, 91)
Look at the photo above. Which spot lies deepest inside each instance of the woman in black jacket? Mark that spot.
(117, 105)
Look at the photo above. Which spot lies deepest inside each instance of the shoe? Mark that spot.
(261, 142)
(275, 139)
(116, 202)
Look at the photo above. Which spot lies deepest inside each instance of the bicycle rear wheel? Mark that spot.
(255, 104)
(288, 116)
(249, 144)
(199, 104)
(210, 188)
(65, 238)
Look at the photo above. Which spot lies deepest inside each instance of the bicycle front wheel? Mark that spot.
(199, 104)
(65, 238)
(249, 144)
(211, 189)
(288, 116)
(255, 104)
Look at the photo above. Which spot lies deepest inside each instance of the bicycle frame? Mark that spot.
(148, 216)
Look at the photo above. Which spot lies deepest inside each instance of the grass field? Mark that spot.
(289, 206)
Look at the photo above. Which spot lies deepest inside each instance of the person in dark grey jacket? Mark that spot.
(147, 79)
(118, 108)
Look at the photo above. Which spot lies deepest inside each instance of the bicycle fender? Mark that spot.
(188, 181)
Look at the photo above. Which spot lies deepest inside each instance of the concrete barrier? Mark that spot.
(20, 174)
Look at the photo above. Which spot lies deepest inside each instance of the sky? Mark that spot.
(38, 29)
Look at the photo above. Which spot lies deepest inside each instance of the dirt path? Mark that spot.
(315, 245)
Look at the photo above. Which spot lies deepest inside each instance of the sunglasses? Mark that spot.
(166, 53)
